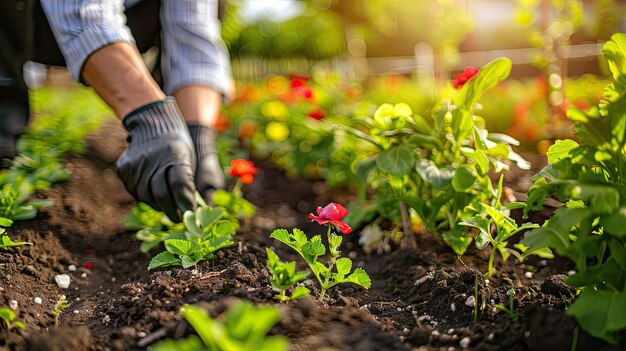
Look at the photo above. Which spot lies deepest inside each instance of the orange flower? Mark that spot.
(243, 169)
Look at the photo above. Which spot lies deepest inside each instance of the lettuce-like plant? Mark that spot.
(590, 229)
(205, 233)
(244, 328)
(285, 276)
(16, 207)
(312, 249)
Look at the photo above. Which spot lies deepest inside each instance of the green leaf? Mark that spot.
(281, 235)
(488, 77)
(457, 240)
(560, 150)
(163, 259)
(600, 313)
(313, 249)
(615, 224)
(180, 247)
(364, 168)
(615, 53)
(208, 216)
(343, 265)
(464, 178)
(432, 174)
(224, 228)
(397, 160)
(300, 292)
(360, 277)
(189, 261)
(483, 225)
(5, 222)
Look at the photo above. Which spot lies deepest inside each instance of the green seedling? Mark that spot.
(495, 219)
(5, 241)
(205, 233)
(312, 249)
(244, 328)
(61, 305)
(284, 276)
(16, 207)
(510, 310)
(8, 319)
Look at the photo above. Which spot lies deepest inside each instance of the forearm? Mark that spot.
(118, 74)
(199, 104)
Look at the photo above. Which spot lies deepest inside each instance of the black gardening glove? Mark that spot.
(209, 174)
(158, 165)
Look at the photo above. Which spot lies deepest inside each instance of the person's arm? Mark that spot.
(197, 72)
(159, 163)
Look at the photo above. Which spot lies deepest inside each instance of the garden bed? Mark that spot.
(419, 299)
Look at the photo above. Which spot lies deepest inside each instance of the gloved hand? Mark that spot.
(158, 165)
(209, 174)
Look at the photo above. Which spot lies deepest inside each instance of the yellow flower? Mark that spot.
(275, 109)
(277, 131)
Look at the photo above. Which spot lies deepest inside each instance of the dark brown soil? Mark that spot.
(419, 299)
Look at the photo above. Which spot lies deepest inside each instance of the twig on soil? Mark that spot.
(212, 274)
(406, 225)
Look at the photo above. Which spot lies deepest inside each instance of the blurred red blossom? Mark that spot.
(332, 213)
(464, 76)
(243, 169)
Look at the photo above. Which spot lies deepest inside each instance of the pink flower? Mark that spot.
(464, 76)
(332, 213)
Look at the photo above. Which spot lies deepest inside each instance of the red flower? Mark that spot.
(317, 113)
(89, 265)
(332, 213)
(464, 76)
(307, 93)
(243, 169)
(297, 83)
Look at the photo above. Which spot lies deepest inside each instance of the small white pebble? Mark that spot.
(450, 331)
(399, 309)
(528, 275)
(451, 348)
(13, 305)
(487, 281)
(113, 279)
(453, 307)
(434, 333)
(571, 272)
(63, 281)
(71, 268)
(470, 301)
(78, 299)
(491, 336)
(76, 311)
(406, 330)
(141, 334)
(414, 313)
(543, 263)
(38, 300)
(83, 275)
(465, 342)
(106, 319)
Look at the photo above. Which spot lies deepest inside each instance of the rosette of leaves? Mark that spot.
(285, 276)
(436, 167)
(244, 328)
(205, 233)
(590, 177)
(152, 226)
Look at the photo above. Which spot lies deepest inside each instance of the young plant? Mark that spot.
(590, 229)
(61, 305)
(244, 328)
(495, 219)
(205, 233)
(510, 311)
(284, 276)
(233, 202)
(8, 318)
(16, 207)
(312, 249)
(5, 241)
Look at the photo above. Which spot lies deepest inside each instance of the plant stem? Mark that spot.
(406, 225)
(492, 254)
(331, 263)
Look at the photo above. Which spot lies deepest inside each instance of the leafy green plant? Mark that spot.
(495, 219)
(8, 318)
(436, 168)
(285, 276)
(312, 249)
(205, 233)
(61, 305)
(245, 328)
(590, 176)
